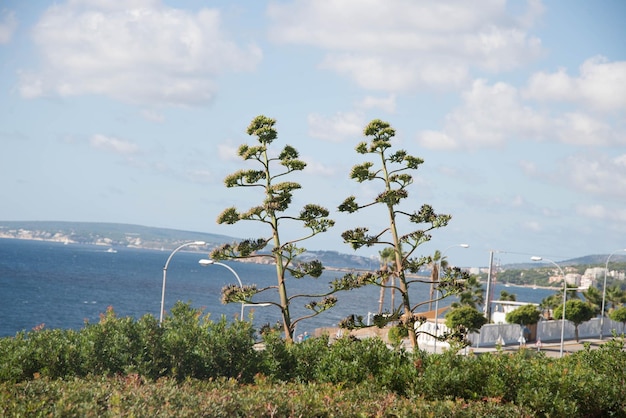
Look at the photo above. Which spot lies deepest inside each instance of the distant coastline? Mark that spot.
(104, 234)
(115, 235)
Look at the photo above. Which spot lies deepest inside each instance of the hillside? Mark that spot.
(111, 234)
(123, 235)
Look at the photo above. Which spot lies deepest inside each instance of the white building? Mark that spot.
(502, 307)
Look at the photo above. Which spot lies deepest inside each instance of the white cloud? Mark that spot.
(199, 176)
(518, 201)
(528, 167)
(396, 74)
(152, 115)
(139, 51)
(8, 25)
(387, 104)
(228, 152)
(582, 129)
(489, 116)
(115, 145)
(318, 169)
(591, 174)
(532, 226)
(601, 85)
(437, 141)
(596, 175)
(339, 127)
(600, 212)
(395, 45)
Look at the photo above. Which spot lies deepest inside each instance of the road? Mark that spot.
(551, 349)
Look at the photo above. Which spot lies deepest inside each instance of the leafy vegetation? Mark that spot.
(391, 171)
(464, 319)
(619, 315)
(272, 212)
(576, 311)
(472, 294)
(524, 315)
(193, 366)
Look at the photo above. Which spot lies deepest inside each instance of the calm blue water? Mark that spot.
(62, 286)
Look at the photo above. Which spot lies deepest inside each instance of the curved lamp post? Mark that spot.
(206, 262)
(187, 244)
(606, 268)
(535, 258)
(437, 301)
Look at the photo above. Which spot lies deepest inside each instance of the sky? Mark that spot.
(131, 111)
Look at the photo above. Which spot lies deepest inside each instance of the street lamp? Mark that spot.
(439, 291)
(187, 244)
(535, 258)
(206, 262)
(606, 268)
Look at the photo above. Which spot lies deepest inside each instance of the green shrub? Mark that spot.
(131, 396)
(112, 345)
(112, 367)
(396, 334)
(187, 345)
(306, 356)
(41, 352)
(451, 376)
(196, 347)
(277, 361)
(351, 361)
(184, 333)
(228, 350)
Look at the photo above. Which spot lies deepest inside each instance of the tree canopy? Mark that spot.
(276, 199)
(576, 311)
(391, 171)
(524, 315)
(462, 320)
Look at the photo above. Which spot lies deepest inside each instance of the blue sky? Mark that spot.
(131, 111)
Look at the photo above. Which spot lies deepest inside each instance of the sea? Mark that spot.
(57, 285)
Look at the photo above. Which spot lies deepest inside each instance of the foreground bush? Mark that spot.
(121, 362)
(589, 383)
(133, 396)
(186, 345)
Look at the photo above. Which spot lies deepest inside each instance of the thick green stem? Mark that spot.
(404, 291)
(278, 257)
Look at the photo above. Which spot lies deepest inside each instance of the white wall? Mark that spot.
(547, 331)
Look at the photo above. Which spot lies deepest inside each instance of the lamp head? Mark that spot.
(199, 243)
(206, 262)
(464, 245)
(535, 258)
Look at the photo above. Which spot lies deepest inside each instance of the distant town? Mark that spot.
(582, 272)
(69, 238)
(115, 235)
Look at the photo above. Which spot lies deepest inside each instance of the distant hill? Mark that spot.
(115, 234)
(112, 234)
(123, 235)
(596, 259)
(587, 260)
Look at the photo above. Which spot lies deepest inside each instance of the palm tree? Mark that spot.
(594, 298)
(473, 295)
(504, 295)
(438, 262)
(615, 295)
(572, 293)
(550, 304)
(387, 256)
